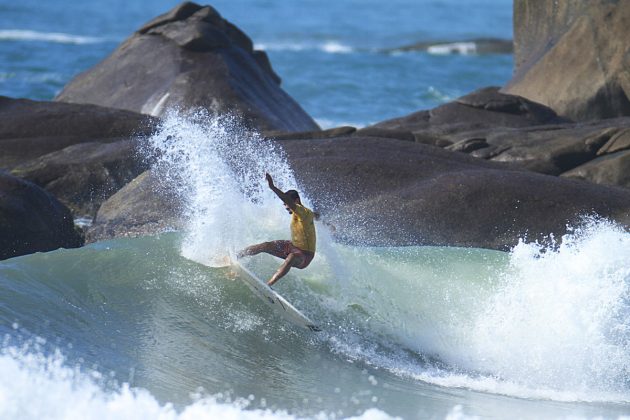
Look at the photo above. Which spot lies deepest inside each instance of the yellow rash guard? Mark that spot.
(303, 228)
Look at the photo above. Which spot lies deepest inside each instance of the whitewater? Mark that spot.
(144, 328)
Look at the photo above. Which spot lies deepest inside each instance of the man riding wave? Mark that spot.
(300, 250)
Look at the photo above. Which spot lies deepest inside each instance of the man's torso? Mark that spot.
(303, 229)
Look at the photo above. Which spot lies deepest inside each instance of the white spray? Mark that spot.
(218, 169)
(561, 319)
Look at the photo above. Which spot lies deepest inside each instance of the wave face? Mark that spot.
(404, 328)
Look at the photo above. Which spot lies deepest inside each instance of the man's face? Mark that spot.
(289, 208)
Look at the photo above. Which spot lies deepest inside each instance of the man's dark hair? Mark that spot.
(293, 194)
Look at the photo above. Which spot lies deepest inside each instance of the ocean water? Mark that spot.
(145, 328)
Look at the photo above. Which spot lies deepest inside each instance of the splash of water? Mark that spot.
(217, 167)
(538, 322)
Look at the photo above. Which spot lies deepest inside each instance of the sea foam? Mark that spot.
(538, 322)
(35, 386)
(330, 46)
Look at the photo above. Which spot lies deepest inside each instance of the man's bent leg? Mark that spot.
(291, 260)
(274, 248)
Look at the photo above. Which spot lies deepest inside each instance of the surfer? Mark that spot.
(300, 250)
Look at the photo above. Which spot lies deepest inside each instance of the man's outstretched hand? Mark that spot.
(269, 180)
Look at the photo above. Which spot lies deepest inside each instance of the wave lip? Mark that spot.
(330, 47)
(54, 37)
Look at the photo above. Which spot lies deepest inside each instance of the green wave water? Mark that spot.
(397, 324)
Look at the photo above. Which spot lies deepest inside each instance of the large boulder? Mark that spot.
(610, 169)
(463, 46)
(82, 154)
(573, 56)
(32, 220)
(507, 128)
(188, 58)
(382, 191)
(486, 108)
(30, 129)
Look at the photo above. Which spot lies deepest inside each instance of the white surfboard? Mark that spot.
(271, 298)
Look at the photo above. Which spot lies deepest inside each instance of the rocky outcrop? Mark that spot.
(188, 58)
(485, 108)
(573, 56)
(84, 175)
(465, 47)
(32, 220)
(507, 128)
(82, 154)
(383, 191)
(610, 169)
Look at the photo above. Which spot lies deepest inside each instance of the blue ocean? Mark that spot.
(143, 327)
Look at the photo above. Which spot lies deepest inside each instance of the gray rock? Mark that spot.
(609, 169)
(548, 149)
(382, 191)
(388, 192)
(573, 56)
(485, 108)
(32, 220)
(310, 135)
(80, 153)
(620, 140)
(506, 128)
(84, 175)
(465, 46)
(191, 58)
(144, 206)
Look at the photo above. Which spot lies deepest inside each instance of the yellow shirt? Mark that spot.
(303, 228)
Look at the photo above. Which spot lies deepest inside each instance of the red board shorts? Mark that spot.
(302, 258)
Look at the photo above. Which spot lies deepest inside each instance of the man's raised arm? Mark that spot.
(284, 197)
